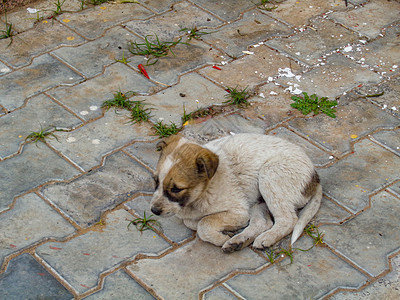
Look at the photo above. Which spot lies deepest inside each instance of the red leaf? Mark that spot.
(217, 68)
(143, 71)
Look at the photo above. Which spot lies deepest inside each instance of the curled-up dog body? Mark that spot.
(253, 182)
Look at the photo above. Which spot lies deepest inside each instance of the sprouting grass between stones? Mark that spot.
(8, 31)
(139, 113)
(120, 100)
(42, 135)
(123, 60)
(237, 97)
(308, 104)
(164, 130)
(145, 223)
(194, 33)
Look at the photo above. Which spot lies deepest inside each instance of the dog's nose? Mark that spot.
(156, 211)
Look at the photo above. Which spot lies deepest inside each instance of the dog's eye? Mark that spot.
(176, 190)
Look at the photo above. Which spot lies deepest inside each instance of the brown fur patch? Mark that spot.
(311, 186)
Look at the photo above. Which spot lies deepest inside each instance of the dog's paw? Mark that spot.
(262, 242)
(232, 247)
(236, 243)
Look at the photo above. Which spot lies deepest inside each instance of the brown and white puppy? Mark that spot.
(234, 182)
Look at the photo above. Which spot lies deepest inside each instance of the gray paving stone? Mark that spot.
(253, 28)
(209, 262)
(228, 11)
(252, 70)
(86, 98)
(30, 169)
(25, 278)
(28, 222)
(169, 25)
(355, 119)
(219, 293)
(184, 58)
(395, 189)
(39, 112)
(331, 80)
(389, 139)
(192, 92)
(88, 24)
(120, 286)
(47, 36)
(87, 197)
(172, 227)
(92, 57)
(309, 46)
(382, 12)
(45, 72)
(4, 69)
(81, 260)
(381, 54)
(351, 180)
(87, 145)
(145, 153)
(377, 234)
(330, 212)
(159, 6)
(311, 275)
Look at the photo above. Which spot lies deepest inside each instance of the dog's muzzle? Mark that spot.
(156, 211)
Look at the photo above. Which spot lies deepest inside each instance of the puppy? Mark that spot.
(234, 182)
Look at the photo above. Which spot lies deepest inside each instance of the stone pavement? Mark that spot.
(65, 203)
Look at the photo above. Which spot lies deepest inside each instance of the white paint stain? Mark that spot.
(84, 112)
(96, 142)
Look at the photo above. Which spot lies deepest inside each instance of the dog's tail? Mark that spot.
(306, 214)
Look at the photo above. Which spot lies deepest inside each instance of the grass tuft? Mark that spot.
(120, 100)
(237, 97)
(163, 130)
(8, 31)
(194, 33)
(145, 223)
(41, 135)
(139, 113)
(308, 104)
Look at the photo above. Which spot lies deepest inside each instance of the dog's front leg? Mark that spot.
(210, 228)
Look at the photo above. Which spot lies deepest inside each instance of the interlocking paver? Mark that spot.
(25, 278)
(377, 234)
(39, 112)
(321, 38)
(159, 6)
(389, 139)
(355, 119)
(254, 27)
(209, 262)
(172, 227)
(219, 293)
(28, 222)
(227, 10)
(45, 72)
(93, 22)
(330, 212)
(119, 285)
(4, 69)
(87, 197)
(307, 277)
(383, 13)
(23, 172)
(47, 36)
(169, 25)
(83, 259)
(145, 153)
(86, 98)
(352, 179)
(92, 57)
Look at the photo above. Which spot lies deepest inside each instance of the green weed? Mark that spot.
(139, 113)
(163, 130)
(311, 103)
(41, 135)
(8, 31)
(120, 100)
(194, 33)
(152, 50)
(123, 59)
(263, 5)
(58, 9)
(97, 2)
(145, 223)
(237, 97)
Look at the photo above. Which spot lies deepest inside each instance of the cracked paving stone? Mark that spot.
(119, 285)
(378, 234)
(182, 16)
(87, 197)
(304, 10)
(91, 58)
(192, 92)
(27, 45)
(382, 54)
(387, 287)
(330, 212)
(355, 119)
(370, 18)
(200, 265)
(159, 6)
(351, 180)
(226, 10)
(321, 38)
(145, 153)
(87, 21)
(311, 275)
(389, 139)
(28, 222)
(253, 28)
(333, 79)
(86, 98)
(39, 112)
(87, 145)
(318, 157)
(25, 278)
(45, 72)
(251, 70)
(83, 259)
(30, 169)
(219, 293)
(184, 58)
(172, 227)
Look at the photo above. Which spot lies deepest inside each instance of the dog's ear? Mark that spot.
(167, 141)
(207, 163)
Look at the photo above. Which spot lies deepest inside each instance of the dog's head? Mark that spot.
(183, 172)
